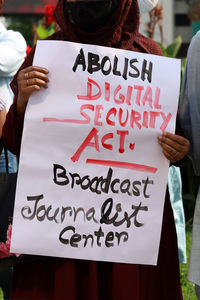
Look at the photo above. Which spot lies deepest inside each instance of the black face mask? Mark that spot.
(89, 15)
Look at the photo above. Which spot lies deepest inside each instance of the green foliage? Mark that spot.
(1, 294)
(187, 286)
(44, 32)
(172, 49)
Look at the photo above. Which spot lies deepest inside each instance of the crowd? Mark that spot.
(111, 23)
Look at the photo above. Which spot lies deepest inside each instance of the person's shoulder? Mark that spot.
(149, 45)
(196, 39)
(197, 36)
(194, 48)
(2, 28)
(15, 36)
(14, 39)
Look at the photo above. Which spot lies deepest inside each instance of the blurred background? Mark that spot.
(179, 17)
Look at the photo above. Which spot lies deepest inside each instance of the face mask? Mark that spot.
(89, 15)
(146, 5)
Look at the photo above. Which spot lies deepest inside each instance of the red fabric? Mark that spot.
(58, 279)
(121, 31)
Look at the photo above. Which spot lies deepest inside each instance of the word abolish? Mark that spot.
(106, 65)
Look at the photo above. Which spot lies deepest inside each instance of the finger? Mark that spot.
(25, 73)
(34, 68)
(173, 159)
(172, 154)
(37, 74)
(171, 143)
(28, 90)
(168, 156)
(176, 138)
(171, 151)
(34, 81)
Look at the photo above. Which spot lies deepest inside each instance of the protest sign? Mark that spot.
(92, 176)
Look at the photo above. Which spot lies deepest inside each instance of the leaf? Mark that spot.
(1, 294)
(173, 49)
(45, 32)
(42, 32)
(163, 49)
(161, 46)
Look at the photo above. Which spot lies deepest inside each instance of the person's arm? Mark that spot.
(2, 119)
(190, 101)
(2, 114)
(23, 87)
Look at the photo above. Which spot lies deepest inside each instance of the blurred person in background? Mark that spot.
(147, 5)
(111, 23)
(12, 54)
(190, 122)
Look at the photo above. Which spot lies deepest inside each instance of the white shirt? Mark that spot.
(12, 54)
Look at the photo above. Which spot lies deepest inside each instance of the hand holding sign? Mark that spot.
(175, 147)
(29, 80)
(99, 193)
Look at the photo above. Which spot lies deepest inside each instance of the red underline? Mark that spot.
(122, 165)
(64, 121)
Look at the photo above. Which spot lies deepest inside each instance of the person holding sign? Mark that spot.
(110, 23)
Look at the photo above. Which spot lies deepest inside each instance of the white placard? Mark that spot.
(92, 176)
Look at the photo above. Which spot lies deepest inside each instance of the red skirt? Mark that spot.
(59, 279)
